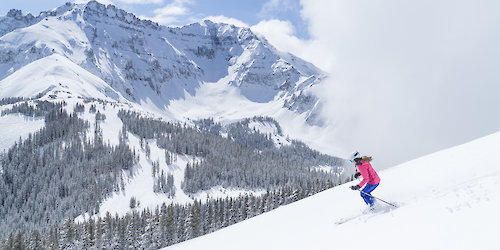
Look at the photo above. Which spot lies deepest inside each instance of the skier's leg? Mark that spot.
(368, 189)
(365, 197)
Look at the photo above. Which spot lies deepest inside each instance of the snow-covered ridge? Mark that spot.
(15, 18)
(53, 76)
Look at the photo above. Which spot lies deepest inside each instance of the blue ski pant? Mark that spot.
(368, 189)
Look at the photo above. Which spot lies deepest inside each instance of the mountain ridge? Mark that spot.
(143, 60)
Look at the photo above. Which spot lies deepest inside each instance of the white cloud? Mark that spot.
(281, 34)
(173, 9)
(408, 77)
(172, 13)
(228, 20)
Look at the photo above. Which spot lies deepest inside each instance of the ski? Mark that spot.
(367, 214)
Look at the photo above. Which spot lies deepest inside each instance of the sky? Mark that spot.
(407, 77)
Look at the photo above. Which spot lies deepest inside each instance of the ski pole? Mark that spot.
(377, 198)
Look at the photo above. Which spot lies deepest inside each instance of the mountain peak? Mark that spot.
(16, 14)
(94, 9)
(14, 20)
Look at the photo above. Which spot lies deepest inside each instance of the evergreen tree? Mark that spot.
(195, 220)
(35, 241)
(19, 243)
(9, 244)
(169, 223)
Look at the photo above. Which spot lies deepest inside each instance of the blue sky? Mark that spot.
(180, 12)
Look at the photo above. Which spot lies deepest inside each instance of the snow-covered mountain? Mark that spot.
(447, 200)
(154, 65)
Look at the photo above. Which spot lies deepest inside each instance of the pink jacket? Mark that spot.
(368, 173)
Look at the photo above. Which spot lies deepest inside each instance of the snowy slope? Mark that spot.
(57, 76)
(448, 200)
(15, 126)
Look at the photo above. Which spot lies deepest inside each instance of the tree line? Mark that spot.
(161, 227)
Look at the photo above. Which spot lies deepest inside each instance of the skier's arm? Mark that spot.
(364, 172)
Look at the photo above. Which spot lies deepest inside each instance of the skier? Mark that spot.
(370, 177)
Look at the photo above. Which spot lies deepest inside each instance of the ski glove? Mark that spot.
(355, 187)
(356, 175)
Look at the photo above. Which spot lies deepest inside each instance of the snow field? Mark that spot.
(221, 101)
(225, 104)
(56, 75)
(448, 200)
(13, 126)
